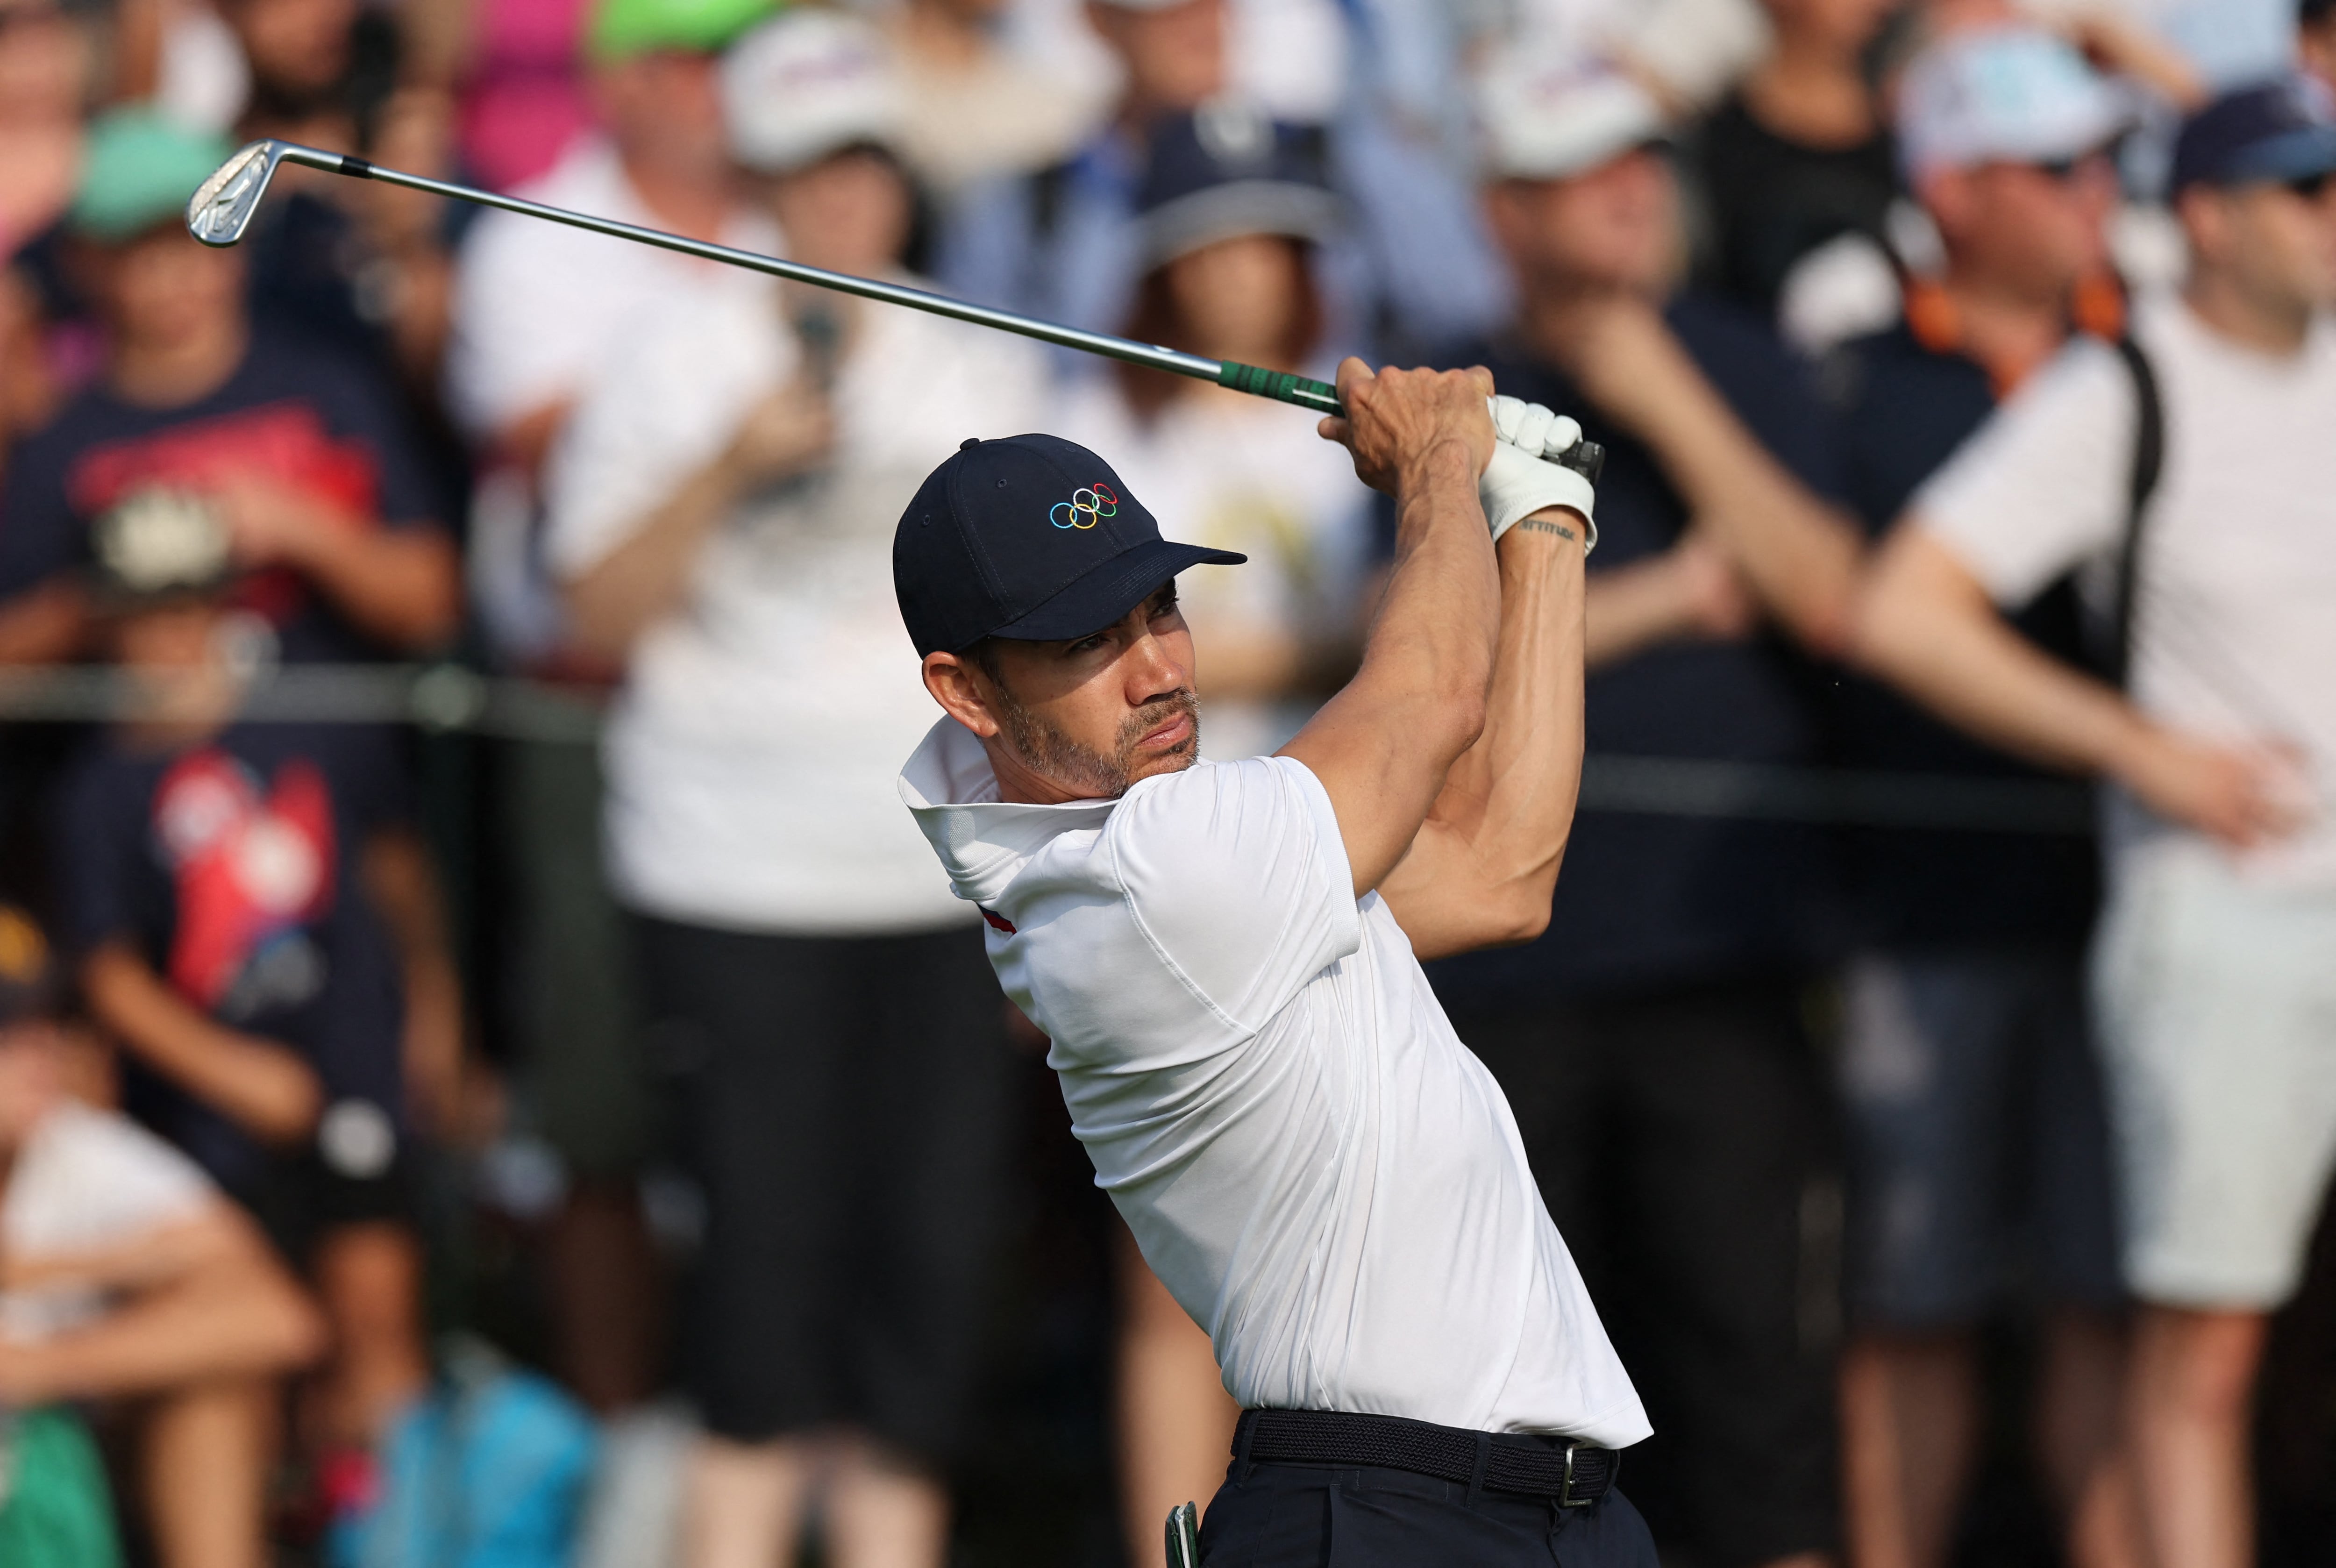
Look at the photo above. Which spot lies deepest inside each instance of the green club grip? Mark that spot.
(1587, 458)
(1279, 386)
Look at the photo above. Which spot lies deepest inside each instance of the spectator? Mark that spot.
(1799, 155)
(1652, 1042)
(978, 109)
(2211, 967)
(127, 1278)
(721, 508)
(2315, 40)
(1978, 1154)
(359, 268)
(1059, 243)
(539, 310)
(306, 464)
(44, 81)
(253, 922)
(1227, 237)
(1226, 234)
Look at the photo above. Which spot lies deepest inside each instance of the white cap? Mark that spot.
(807, 84)
(1559, 116)
(2013, 94)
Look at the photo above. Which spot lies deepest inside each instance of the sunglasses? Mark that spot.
(2064, 169)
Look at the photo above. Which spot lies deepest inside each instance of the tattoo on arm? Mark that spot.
(1540, 525)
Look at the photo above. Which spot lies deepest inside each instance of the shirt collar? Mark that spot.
(983, 841)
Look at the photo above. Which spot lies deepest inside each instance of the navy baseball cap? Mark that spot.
(2273, 131)
(1031, 537)
(1225, 170)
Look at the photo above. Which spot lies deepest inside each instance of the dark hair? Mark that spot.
(2314, 13)
(1156, 319)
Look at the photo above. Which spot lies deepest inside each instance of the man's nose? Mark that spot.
(1154, 670)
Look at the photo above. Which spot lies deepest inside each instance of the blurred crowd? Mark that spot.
(597, 1138)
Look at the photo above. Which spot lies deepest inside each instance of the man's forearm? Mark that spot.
(1799, 556)
(1430, 646)
(1924, 625)
(257, 1084)
(403, 586)
(236, 1318)
(1486, 862)
(644, 578)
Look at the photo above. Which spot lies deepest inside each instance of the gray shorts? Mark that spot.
(2217, 1003)
(1976, 1149)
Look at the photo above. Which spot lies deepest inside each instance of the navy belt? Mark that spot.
(1572, 1474)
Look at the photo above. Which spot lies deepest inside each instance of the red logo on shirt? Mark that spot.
(286, 441)
(251, 867)
(996, 922)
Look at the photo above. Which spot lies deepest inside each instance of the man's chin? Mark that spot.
(1175, 760)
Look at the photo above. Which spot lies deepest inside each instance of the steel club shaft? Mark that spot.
(222, 209)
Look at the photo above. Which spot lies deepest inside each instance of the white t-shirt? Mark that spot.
(1239, 473)
(84, 1181)
(540, 307)
(750, 756)
(1318, 1171)
(2235, 613)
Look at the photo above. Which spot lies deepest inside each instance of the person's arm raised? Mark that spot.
(1483, 867)
(1383, 746)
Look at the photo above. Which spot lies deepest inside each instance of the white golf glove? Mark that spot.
(1520, 482)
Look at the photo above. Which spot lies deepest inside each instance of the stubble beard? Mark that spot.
(1090, 774)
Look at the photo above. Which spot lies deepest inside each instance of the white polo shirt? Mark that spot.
(1318, 1171)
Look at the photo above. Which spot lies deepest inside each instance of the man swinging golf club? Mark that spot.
(1226, 958)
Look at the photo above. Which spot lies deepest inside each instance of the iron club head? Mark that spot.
(221, 207)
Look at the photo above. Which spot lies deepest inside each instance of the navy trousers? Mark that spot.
(1283, 1516)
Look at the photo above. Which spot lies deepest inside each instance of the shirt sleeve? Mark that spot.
(2042, 486)
(1238, 877)
(39, 534)
(663, 410)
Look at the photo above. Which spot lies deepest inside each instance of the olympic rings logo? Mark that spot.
(1085, 508)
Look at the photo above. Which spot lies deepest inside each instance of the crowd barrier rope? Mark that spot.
(454, 698)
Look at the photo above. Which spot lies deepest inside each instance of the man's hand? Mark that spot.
(1398, 419)
(2239, 796)
(268, 521)
(1628, 363)
(789, 432)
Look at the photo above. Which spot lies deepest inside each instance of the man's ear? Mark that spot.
(962, 691)
(2205, 215)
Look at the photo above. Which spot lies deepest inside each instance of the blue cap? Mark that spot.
(2273, 131)
(1031, 537)
(1224, 170)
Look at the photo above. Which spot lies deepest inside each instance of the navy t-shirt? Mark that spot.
(231, 866)
(307, 418)
(1649, 899)
(1905, 408)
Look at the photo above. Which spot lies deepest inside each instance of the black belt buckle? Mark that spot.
(1565, 1498)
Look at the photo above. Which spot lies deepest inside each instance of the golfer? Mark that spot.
(1226, 958)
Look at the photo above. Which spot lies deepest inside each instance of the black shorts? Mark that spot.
(841, 1105)
(1683, 1145)
(301, 1198)
(1279, 1515)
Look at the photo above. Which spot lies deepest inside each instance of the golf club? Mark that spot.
(223, 205)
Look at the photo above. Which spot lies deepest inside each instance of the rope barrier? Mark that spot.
(453, 699)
